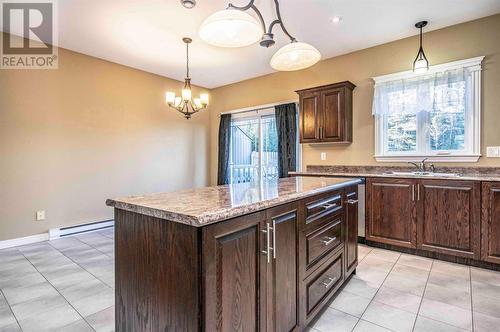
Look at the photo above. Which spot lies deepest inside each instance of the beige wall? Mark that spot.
(471, 39)
(72, 137)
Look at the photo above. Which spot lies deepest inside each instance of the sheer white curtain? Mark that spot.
(430, 93)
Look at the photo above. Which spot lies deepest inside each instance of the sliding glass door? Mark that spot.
(254, 147)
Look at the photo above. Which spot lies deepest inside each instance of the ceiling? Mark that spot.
(146, 34)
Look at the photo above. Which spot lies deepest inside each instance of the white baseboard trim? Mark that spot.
(24, 240)
(56, 233)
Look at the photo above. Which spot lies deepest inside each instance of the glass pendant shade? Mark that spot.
(186, 94)
(420, 65)
(204, 98)
(230, 28)
(295, 56)
(170, 97)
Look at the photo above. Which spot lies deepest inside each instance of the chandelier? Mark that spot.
(185, 103)
(234, 27)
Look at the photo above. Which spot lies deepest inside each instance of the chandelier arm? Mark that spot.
(261, 19)
(280, 22)
(250, 5)
(242, 8)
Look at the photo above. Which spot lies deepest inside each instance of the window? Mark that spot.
(435, 115)
(254, 147)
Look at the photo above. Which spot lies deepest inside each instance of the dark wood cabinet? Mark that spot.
(490, 222)
(235, 274)
(250, 268)
(309, 117)
(449, 217)
(351, 221)
(282, 281)
(249, 273)
(391, 211)
(325, 113)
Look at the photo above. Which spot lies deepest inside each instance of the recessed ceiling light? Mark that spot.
(336, 19)
(188, 3)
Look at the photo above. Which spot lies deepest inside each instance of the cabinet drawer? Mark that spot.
(324, 283)
(323, 207)
(323, 240)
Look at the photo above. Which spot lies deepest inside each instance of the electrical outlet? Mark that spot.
(493, 151)
(40, 215)
(323, 155)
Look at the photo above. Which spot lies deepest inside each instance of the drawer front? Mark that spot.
(324, 283)
(321, 208)
(323, 240)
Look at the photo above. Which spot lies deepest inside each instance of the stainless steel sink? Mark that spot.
(429, 174)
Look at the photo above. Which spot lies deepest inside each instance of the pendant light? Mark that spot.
(234, 27)
(421, 64)
(230, 28)
(184, 103)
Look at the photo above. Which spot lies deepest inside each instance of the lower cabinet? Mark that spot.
(282, 260)
(275, 270)
(235, 274)
(490, 222)
(391, 211)
(441, 216)
(351, 222)
(449, 217)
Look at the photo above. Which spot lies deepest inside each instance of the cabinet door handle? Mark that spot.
(328, 282)
(413, 192)
(267, 252)
(274, 239)
(418, 192)
(352, 201)
(328, 240)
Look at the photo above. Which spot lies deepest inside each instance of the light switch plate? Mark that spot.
(323, 155)
(493, 151)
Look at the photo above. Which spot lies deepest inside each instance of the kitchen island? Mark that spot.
(265, 256)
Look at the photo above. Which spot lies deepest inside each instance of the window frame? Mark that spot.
(473, 117)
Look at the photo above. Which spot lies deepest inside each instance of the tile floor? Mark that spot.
(399, 292)
(67, 285)
(61, 285)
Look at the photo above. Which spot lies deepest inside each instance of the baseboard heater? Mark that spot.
(56, 233)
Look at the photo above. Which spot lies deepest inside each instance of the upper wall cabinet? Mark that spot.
(325, 114)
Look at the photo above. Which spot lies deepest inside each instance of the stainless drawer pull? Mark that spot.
(328, 282)
(352, 201)
(328, 240)
(327, 206)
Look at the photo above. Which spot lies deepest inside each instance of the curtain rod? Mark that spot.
(259, 107)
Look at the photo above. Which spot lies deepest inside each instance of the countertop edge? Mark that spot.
(465, 177)
(229, 213)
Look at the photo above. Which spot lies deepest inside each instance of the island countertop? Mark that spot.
(202, 206)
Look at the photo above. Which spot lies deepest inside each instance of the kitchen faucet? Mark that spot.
(421, 165)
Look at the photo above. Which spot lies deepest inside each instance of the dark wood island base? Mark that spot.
(270, 270)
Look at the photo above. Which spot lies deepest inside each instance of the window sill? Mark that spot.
(433, 158)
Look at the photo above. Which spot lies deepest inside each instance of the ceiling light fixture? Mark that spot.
(235, 28)
(336, 19)
(184, 103)
(421, 64)
(188, 3)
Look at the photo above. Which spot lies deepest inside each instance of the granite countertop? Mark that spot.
(465, 173)
(203, 206)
